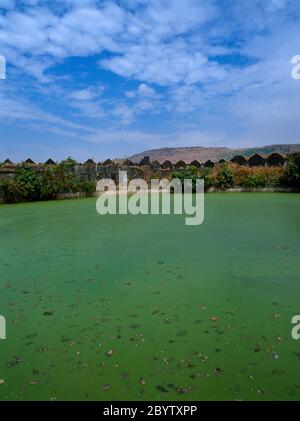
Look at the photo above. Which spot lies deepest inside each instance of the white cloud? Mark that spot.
(82, 95)
(154, 140)
(166, 63)
(198, 62)
(20, 111)
(145, 90)
(142, 39)
(87, 94)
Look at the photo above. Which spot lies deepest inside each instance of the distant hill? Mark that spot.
(202, 154)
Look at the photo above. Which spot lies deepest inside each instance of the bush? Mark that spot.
(28, 182)
(190, 173)
(292, 171)
(10, 191)
(88, 187)
(68, 165)
(193, 173)
(258, 177)
(263, 179)
(225, 177)
(255, 181)
(62, 178)
(50, 185)
(208, 182)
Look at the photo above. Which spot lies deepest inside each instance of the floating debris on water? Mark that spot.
(156, 311)
(230, 313)
(48, 313)
(15, 361)
(195, 376)
(203, 357)
(183, 390)
(181, 333)
(279, 338)
(162, 389)
(186, 364)
(134, 326)
(218, 371)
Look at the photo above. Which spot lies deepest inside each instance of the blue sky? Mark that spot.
(93, 78)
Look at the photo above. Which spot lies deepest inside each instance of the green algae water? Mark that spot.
(146, 308)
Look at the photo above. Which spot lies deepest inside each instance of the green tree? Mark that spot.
(292, 171)
(50, 184)
(29, 182)
(225, 177)
(68, 165)
(10, 191)
(194, 173)
(87, 187)
(255, 181)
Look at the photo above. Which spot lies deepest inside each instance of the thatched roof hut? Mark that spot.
(7, 166)
(208, 164)
(128, 163)
(89, 162)
(8, 162)
(275, 160)
(50, 162)
(195, 163)
(180, 165)
(167, 165)
(30, 162)
(256, 161)
(108, 162)
(239, 159)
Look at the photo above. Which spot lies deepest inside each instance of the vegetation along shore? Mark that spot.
(29, 181)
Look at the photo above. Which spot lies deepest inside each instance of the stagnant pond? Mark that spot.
(145, 307)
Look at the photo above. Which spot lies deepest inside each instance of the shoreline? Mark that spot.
(82, 195)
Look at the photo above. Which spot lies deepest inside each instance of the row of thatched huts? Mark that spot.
(275, 159)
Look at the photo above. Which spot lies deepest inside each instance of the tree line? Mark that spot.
(30, 185)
